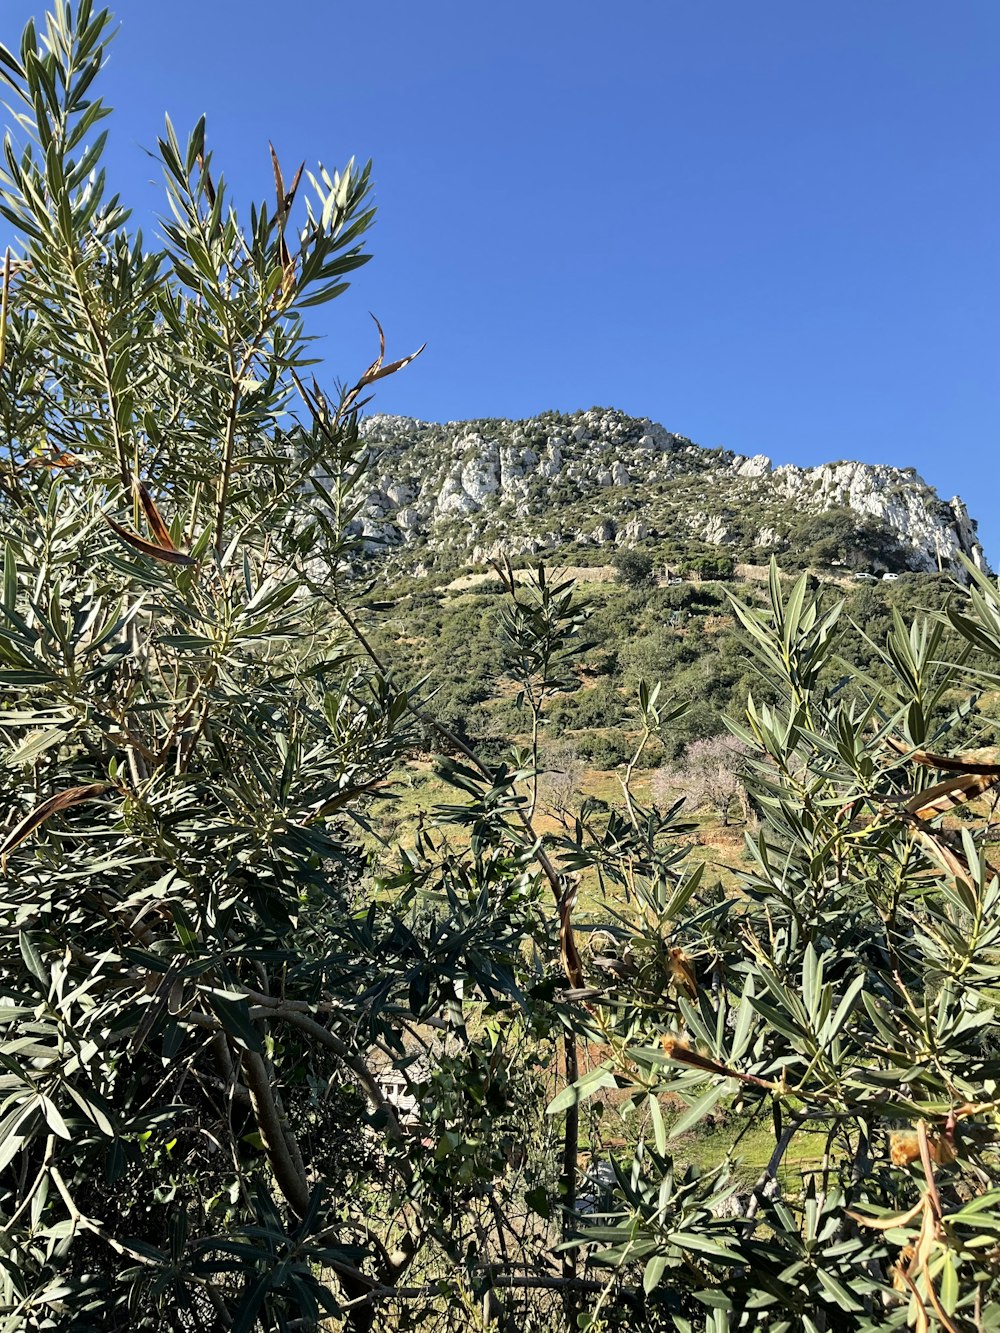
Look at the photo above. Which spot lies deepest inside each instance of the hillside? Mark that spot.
(459, 493)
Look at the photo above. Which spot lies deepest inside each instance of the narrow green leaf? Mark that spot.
(744, 1019)
(32, 959)
(653, 1272)
(656, 1121)
(32, 746)
(9, 577)
(14, 1131)
(234, 1015)
(702, 1244)
(583, 1088)
(837, 1292)
(697, 1110)
(836, 1021)
(53, 1117)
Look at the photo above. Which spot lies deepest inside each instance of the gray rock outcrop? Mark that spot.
(601, 476)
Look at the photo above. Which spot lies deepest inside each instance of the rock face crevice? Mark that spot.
(601, 477)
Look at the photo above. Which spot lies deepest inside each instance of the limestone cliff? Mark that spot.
(478, 488)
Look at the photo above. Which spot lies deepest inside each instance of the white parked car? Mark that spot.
(889, 578)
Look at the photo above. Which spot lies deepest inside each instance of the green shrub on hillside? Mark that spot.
(634, 568)
(841, 537)
(710, 566)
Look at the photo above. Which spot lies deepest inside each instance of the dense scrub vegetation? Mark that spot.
(838, 537)
(258, 1076)
(686, 634)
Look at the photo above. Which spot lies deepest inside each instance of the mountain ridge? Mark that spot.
(468, 491)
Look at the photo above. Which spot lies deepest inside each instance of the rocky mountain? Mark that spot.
(468, 490)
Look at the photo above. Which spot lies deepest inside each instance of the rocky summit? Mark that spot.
(565, 482)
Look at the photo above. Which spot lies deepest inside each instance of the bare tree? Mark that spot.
(559, 781)
(710, 774)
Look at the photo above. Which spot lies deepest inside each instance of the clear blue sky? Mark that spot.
(771, 226)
